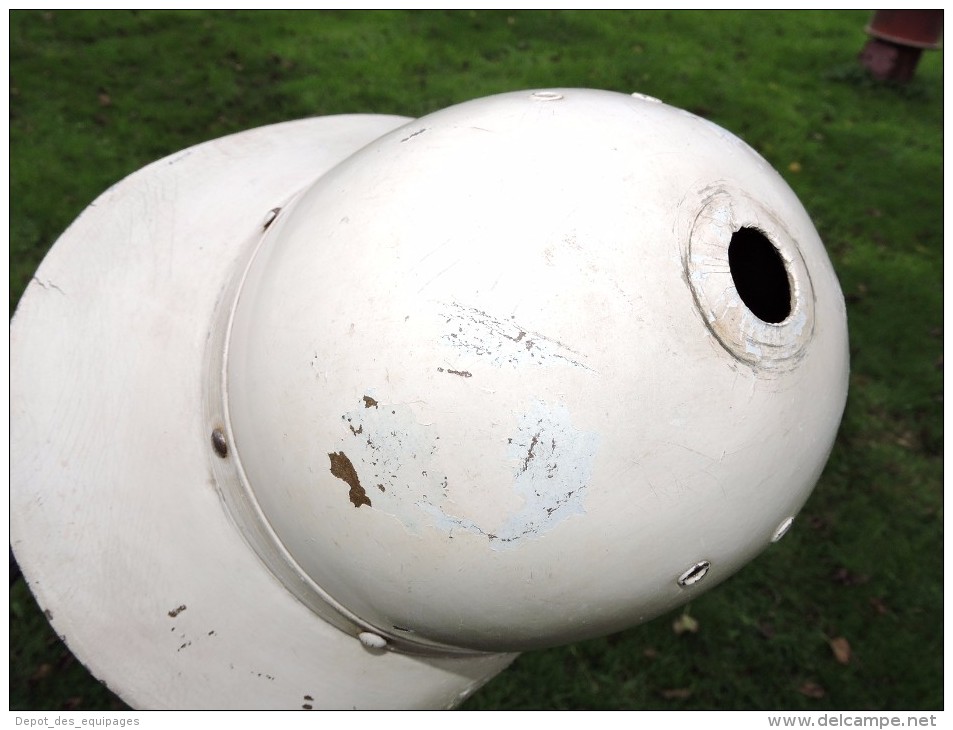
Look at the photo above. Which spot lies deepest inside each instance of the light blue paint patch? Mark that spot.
(798, 322)
(752, 349)
(554, 466)
(448, 523)
(395, 457)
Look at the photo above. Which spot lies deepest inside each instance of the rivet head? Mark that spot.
(645, 97)
(218, 443)
(694, 574)
(782, 529)
(270, 217)
(372, 641)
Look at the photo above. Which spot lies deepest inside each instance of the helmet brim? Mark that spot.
(116, 517)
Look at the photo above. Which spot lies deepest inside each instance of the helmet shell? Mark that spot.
(495, 383)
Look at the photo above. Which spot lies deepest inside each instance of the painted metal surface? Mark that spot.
(493, 386)
(116, 517)
(486, 385)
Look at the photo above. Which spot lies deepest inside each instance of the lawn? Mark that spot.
(844, 613)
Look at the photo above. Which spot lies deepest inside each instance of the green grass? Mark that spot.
(96, 95)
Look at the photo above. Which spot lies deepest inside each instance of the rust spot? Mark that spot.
(309, 698)
(176, 611)
(306, 707)
(360, 429)
(48, 613)
(369, 402)
(381, 487)
(343, 469)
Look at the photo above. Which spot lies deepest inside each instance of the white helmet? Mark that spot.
(347, 411)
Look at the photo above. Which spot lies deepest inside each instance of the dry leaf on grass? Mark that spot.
(682, 693)
(841, 648)
(685, 624)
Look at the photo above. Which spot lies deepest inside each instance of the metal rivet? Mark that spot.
(546, 96)
(219, 443)
(645, 97)
(270, 217)
(694, 574)
(372, 641)
(782, 529)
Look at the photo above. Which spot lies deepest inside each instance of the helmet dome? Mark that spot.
(530, 369)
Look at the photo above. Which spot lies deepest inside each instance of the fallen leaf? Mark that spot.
(682, 693)
(650, 653)
(879, 606)
(841, 648)
(795, 166)
(812, 690)
(685, 624)
(104, 99)
(820, 523)
(906, 440)
(42, 672)
(845, 578)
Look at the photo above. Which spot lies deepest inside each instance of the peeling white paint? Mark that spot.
(397, 462)
(502, 342)
(769, 348)
(798, 321)
(393, 454)
(554, 466)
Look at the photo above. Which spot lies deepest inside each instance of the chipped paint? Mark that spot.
(797, 321)
(766, 347)
(411, 136)
(47, 285)
(393, 452)
(461, 373)
(554, 468)
(551, 468)
(501, 342)
(343, 469)
(176, 611)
